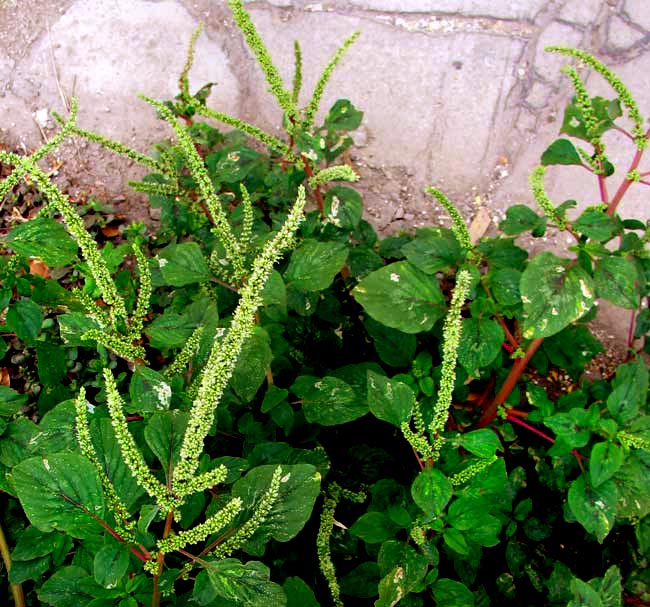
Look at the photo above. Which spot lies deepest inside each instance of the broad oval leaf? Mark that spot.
(402, 297)
(314, 264)
(555, 293)
(329, 400)
(431, 490)
(44, 239)
(605, 460)
(24, 318)
(561, 151)
(183, 264)
(617, 280)
(231, 582)
(110, 565)
(60, 492)
(434, 250)
(250, 369)
(164, 435)
(389, 400)
(480, 343)
(594, 507)
(451, 593)
(483, 443)
(299, 488)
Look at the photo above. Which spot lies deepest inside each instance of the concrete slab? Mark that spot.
(514, 9)
(104, 53)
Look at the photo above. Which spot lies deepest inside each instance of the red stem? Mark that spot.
(611, 209)
(508, 385)
(317, 193)
(516, 420)
(511, 338)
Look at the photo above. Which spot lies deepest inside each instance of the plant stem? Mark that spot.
(155, 597)
(317, 193)
(16, 589)
(508, 385)
(611, 209)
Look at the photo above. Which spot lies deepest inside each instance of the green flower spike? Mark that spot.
(471, 471)
(77, 229)
(130, 452)
(297, 72)
(224, 353)
(615, 82)
(197, 534)
(312, 107)
(336, 173)
(271, 73)
(458, 226)
(120, 511)
(536, 181)
(199, 173)
(451, 339)
(183, 358)
(246, 531)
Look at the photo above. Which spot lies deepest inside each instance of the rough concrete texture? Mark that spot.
(456, 93)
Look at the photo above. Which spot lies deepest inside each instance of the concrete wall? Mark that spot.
(456, 93)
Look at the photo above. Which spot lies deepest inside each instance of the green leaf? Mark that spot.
(521, 218)
(328, 401)
(250, 370)
(451, 593)
(374, 527)
(480, 343)
(604, 110)
(73, 325)
(584, 595)
(164, 435)
(62, 492)
(56, 432)
(594, 507)
(343, 207)
(597, 225)
(404, 569)
(389, 400)
(610, 588)
(68, 587)
(11, 401)
(455, 540)
(44, 239)
(24, 318)
(402, 297)
(21, 571)
(361, 582)
(483, 443)
(605, 460)
(110, 565)
(555, 293)
(431, 490)
(298, 593)
(33, 543)
(343, 116)
(52, 361)
(617, 280)
(298, 491)
(434, 250)
(183, 264)
(314, 264)
(149, 390)
(561, 151)
(632, 480)
(630, 391)
(393, 347)
(231, 582)
(502, 253)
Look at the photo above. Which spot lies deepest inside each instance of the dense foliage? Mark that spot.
(256, 404)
